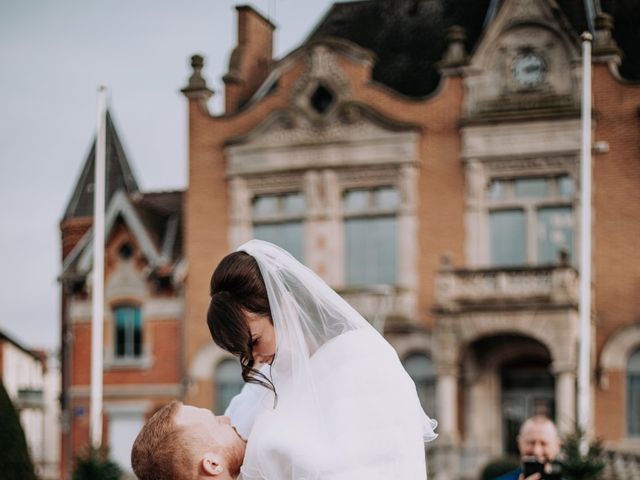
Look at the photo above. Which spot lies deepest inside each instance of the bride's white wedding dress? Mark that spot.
(346, 409)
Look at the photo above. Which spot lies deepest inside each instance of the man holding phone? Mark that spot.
(539, 445)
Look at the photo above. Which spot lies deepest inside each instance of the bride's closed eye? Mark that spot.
(255, 341)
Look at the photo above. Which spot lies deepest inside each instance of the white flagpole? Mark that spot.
(97, 325)
(584, 362)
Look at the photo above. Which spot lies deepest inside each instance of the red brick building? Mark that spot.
(144, 308)
(423, 158)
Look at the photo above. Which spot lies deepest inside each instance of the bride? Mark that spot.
(340, 405)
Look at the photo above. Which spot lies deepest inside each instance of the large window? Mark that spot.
(228, 382)
(633, 394)
(128, 332)
(278, 218)
(421, 370)
(371, 235)
(530, 219)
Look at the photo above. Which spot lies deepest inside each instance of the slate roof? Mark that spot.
(161, 213)
(408, 36)
(118, 175)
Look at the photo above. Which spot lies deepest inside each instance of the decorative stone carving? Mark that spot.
(369, 177)
(197, 88)
(321, 69)
(498, 288)
(502, 80)
(125, 282)
(535, 164)
(525, 9)
(269, 183)
(604, 45)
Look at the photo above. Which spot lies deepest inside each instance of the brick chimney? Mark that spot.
(251, 58)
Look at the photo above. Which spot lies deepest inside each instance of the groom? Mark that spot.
(182, 442)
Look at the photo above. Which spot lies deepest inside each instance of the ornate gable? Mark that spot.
(526, 61)
(322, 127)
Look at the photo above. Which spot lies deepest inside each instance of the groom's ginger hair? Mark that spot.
(159, 452)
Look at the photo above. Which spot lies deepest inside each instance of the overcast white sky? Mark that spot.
(53, 54)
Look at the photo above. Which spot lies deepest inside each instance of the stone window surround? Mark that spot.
(111, 358)
(151, 310)
(480, 172)
(323, 189)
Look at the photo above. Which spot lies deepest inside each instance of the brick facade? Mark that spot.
(616, 209)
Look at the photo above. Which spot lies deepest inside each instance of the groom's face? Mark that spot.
(218, 428)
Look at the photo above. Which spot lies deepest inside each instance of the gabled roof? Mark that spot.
(119, 175)
(154, 219)
(408, 36)
(161, 213)
(4, 336)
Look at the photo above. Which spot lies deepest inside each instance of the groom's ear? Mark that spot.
(211, 465)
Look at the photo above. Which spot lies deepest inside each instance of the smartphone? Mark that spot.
(531, 465)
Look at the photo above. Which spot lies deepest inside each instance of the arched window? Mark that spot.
(128, 332)
(228, 383)
(420, 368)
(633, 394)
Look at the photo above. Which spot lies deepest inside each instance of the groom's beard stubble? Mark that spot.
(235, 457)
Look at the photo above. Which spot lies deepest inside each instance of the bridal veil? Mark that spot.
(344, 407)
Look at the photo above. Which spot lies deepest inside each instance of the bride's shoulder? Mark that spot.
(362, 349)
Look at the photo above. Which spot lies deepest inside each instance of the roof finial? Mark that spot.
(197, 86)
(456, 52)
(604, 45)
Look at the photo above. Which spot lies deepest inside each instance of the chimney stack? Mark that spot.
(250, 60)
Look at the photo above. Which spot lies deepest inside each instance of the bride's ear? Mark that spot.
(211, 465)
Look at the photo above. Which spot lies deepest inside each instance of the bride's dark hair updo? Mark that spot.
(237, 286)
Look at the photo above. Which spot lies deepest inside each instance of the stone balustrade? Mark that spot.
(462, 289)
(621, 466)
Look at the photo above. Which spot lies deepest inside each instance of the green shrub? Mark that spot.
(575, 465)
(498, 467)
(15, 462)
(95, 464)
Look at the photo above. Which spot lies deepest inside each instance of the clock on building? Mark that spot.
(529, 69)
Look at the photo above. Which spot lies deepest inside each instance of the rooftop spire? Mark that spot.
(119, 175)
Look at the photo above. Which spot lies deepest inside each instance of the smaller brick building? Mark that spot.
(144, 308)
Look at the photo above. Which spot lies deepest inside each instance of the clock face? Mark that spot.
(529, 70)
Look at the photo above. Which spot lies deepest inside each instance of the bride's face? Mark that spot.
(263, 337)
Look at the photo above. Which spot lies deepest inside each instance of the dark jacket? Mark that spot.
(511, 475)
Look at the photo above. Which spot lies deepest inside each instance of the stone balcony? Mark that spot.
(506, 288)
